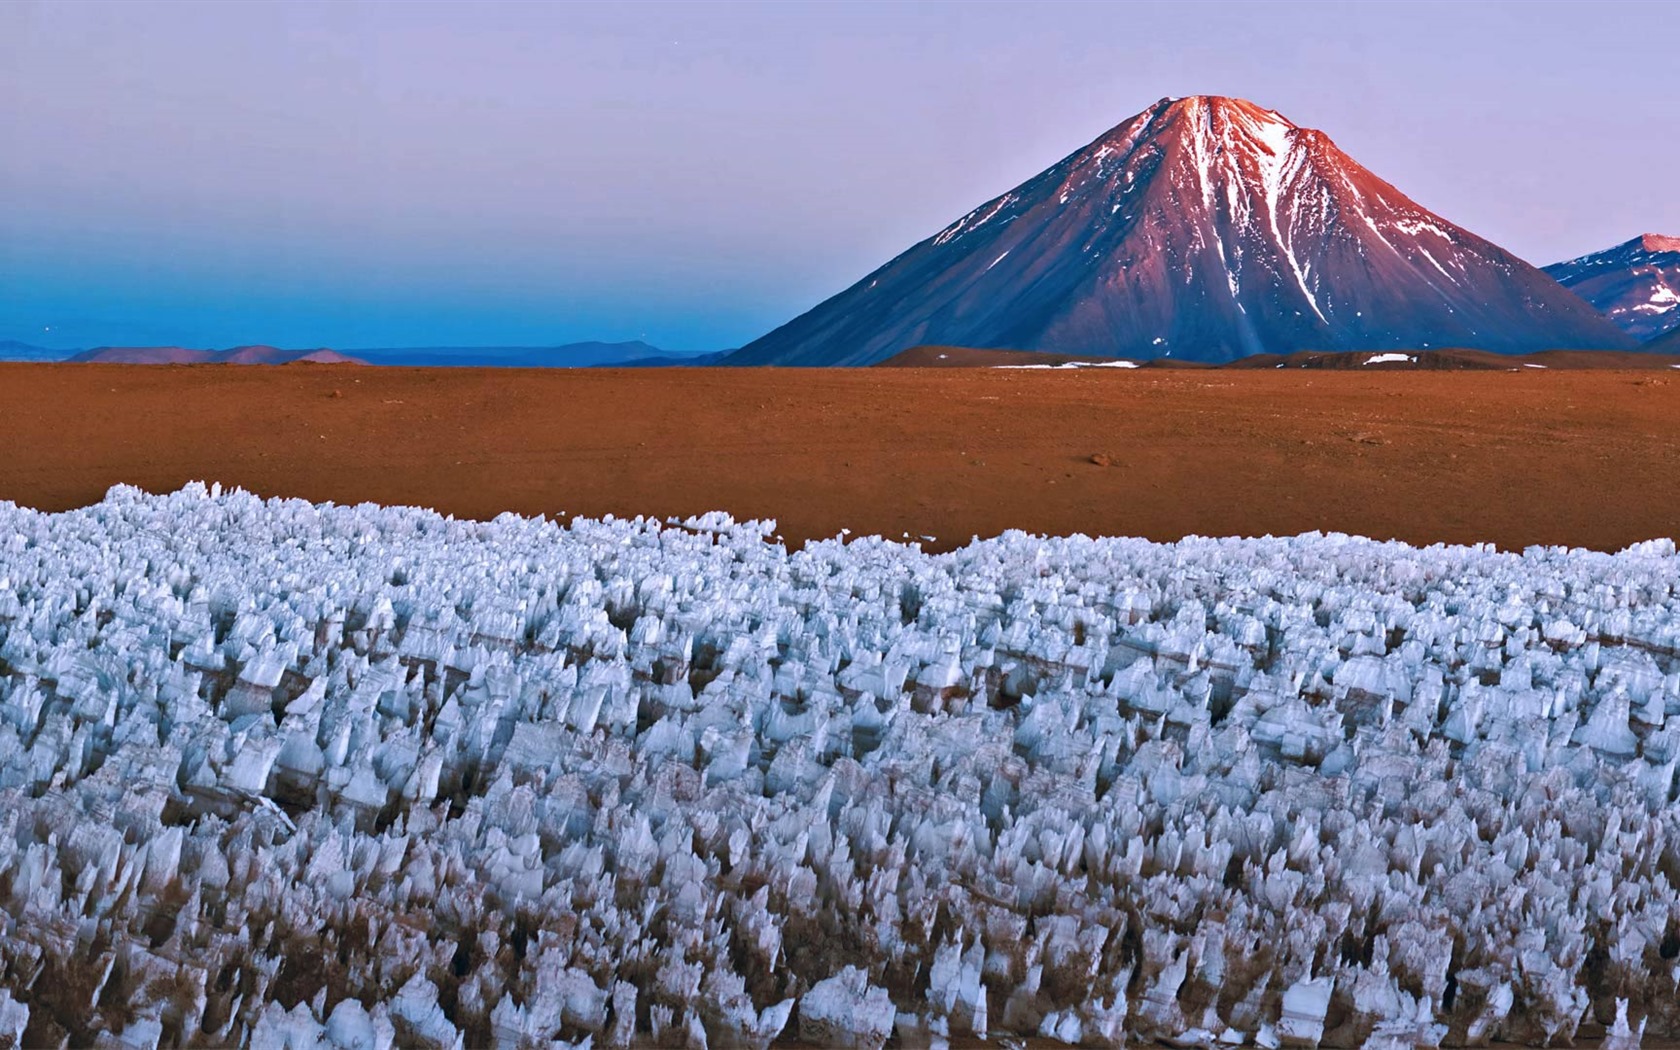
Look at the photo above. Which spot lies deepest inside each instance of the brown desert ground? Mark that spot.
(1576, 457)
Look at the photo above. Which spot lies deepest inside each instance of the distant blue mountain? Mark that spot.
(633, 354)
(571, 355)
(12, 350)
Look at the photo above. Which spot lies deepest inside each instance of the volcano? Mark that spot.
(1203, 229)
(1636, 284)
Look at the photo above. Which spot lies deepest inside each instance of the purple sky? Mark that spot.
(693, 174)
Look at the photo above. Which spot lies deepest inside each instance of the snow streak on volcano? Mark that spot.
(1202, 229)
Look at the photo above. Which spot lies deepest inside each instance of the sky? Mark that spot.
(694, 174)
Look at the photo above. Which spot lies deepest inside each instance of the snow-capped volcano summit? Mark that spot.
(1205, 229)
(1636, 284)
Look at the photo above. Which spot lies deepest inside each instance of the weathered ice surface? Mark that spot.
(274, 774)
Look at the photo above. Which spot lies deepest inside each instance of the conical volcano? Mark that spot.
(1636, 284)
(1203, 229)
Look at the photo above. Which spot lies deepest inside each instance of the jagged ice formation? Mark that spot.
(275, 774)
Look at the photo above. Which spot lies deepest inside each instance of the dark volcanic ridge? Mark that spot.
(1463, 360)
(1449, 360)
(970, 357)
(1636, 284)
(1202, 229)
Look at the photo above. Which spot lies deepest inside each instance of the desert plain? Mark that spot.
(1581, 457)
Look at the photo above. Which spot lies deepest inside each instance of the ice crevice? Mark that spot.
(282, 774)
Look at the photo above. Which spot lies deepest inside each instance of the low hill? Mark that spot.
(672, 360)
(320, 357)
(268, 355)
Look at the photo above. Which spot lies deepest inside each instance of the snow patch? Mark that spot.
(1065, 365)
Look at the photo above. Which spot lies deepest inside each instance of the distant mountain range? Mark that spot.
(1636, 284)
(1202, 229)
(570, 355)
(633, 354)
(179, 355)
(1667, 344)
(12, 350)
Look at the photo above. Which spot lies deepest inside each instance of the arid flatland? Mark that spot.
(1582, 458)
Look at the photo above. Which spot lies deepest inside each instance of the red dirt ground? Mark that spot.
(1589, 458)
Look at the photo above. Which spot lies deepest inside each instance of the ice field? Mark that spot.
(275, 774)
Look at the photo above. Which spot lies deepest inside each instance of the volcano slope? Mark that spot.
(1538, 456)
(1635, 284)
(1202, 229)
